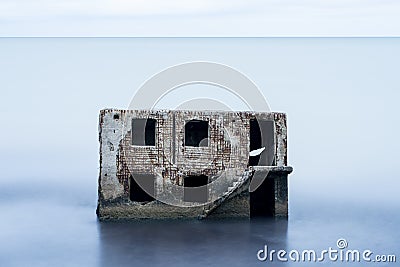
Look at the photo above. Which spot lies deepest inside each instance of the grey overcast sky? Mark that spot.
(200, 18)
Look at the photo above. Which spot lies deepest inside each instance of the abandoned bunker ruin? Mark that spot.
(160, 164)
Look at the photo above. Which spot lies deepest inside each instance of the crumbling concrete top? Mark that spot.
(267, 169)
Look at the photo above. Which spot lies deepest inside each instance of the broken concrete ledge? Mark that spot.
(267, 169)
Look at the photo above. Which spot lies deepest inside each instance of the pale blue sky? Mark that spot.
(200, 18)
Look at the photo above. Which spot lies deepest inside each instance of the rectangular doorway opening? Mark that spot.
(262, 200)
(141, 187)
(195, 188)
(262, 135)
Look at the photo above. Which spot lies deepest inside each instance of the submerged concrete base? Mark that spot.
(237, 207)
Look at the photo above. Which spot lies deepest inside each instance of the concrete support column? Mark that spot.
(281, 195)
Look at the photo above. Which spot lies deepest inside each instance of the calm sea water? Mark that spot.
(341, 96)
(60, 228)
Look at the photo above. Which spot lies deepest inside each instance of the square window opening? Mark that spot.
(195, 188)
(196, 133)
(141, 187)
(144, 132)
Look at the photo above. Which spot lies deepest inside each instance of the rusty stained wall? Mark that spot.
(228, 146)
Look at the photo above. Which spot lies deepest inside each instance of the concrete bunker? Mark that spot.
(218, 164)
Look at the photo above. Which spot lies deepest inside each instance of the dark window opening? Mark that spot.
(255, 141)
(116, 117)
(195, 188)
(141, 187)
(196, 133)
(262, 134)
(262, 200)
(144, 132)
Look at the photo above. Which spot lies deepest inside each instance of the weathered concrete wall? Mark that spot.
(169, 160)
